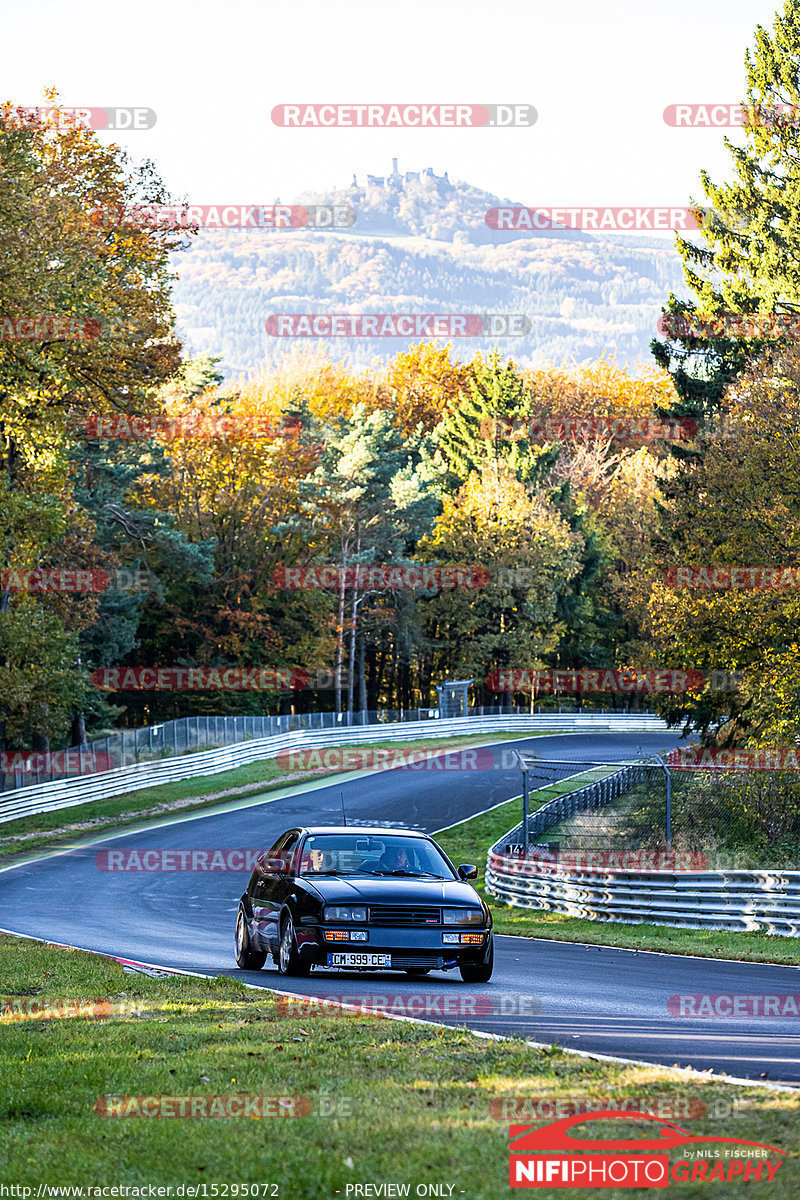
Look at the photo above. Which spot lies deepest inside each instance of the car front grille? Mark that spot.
(418, 962)
(384, 914)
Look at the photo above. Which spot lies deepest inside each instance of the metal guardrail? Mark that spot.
(66, 793)
(188, 735)
(738, 900)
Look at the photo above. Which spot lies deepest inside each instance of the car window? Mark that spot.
(349, 854)
(286, 840)
(281, 855)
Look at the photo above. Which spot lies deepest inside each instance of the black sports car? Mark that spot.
(363, 899)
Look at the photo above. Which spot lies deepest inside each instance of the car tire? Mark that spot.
(478, 972)
(246, 957)
(289, 961)
(418, 971)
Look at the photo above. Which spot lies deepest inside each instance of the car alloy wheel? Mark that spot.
(287, 937)
(247, 958)
(289, 961)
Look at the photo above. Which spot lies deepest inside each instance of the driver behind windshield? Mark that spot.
(395, 858)
(321, 860)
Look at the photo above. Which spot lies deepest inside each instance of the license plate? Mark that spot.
(346, 958)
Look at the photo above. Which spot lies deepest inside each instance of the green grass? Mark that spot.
(405, 1103)
(469, 843)
(25, 837)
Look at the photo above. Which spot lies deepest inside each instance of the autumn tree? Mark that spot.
(370, 498)
(326, 388)
(739, 506)
(72, 255)
(530, 554)
(425, 383)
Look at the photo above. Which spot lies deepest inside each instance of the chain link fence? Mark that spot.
(717, 819)
(572, 824)
(619, 807)
(741, 818)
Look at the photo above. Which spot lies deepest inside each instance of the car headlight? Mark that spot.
(341, 913)
(462, 916)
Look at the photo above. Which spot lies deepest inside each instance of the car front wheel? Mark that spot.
(478, 972)
(247, 958)
(289, 961)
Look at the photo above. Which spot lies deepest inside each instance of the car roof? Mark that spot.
(363, 830)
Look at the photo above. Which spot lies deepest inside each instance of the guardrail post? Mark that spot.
(525, 813)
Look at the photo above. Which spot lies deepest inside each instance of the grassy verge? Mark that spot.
(27, 836)
(470, 841)
(390, 1102)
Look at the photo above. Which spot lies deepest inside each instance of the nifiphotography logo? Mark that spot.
(631, 1162)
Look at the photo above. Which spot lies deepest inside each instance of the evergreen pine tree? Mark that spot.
(750, 259)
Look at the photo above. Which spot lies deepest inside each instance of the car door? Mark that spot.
(272, 886)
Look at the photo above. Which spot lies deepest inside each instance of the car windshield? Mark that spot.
(386, 854)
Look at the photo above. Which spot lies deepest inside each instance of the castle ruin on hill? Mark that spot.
(398, 178)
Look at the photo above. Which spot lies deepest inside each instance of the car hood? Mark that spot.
(377, 889)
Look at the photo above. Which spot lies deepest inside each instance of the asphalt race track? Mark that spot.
(594, 999)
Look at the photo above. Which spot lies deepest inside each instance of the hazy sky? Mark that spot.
(599, 72)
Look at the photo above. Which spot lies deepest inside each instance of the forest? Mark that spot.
(158, 511)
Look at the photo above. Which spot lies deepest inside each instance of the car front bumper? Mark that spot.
(409, 948)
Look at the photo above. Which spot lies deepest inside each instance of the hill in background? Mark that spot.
(420, 244)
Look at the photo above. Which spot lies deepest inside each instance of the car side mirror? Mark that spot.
(467, 871)
(278, 864)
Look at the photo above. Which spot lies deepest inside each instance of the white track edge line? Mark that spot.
(731, 1080)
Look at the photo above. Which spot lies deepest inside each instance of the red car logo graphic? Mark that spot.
(555, 1136)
